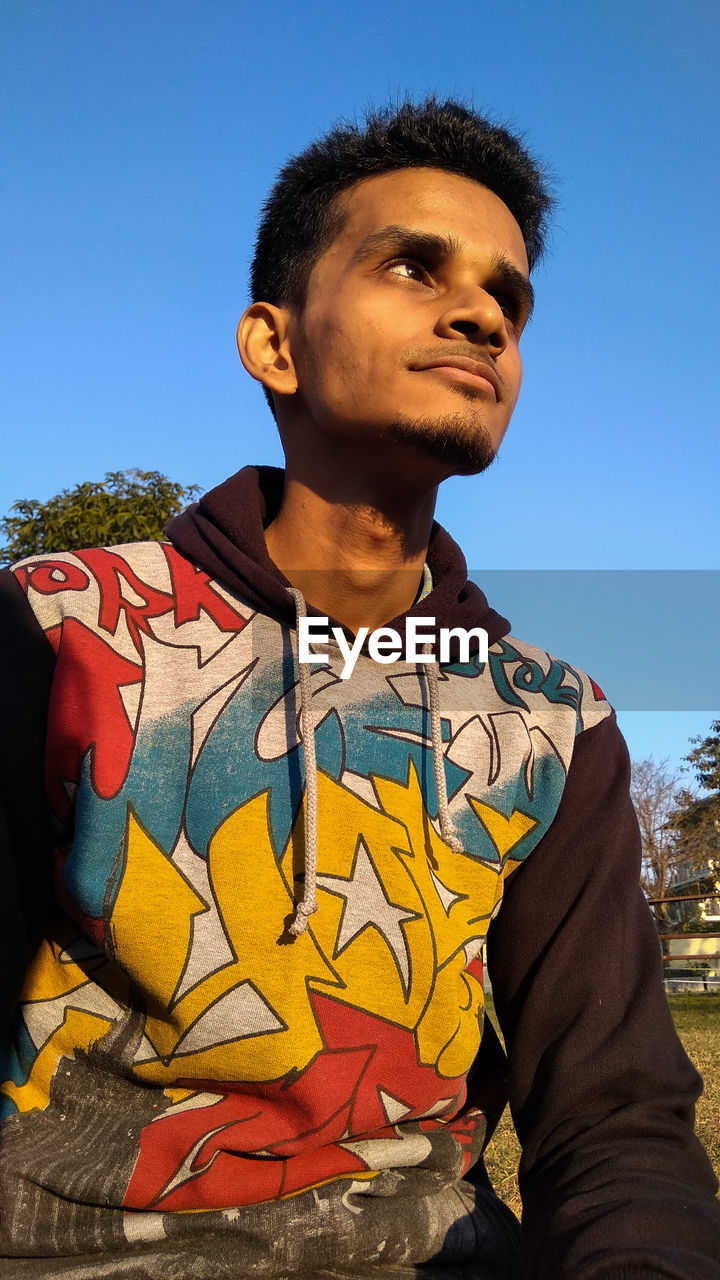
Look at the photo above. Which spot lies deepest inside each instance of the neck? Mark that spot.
(356, 555)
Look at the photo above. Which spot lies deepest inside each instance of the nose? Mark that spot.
(478, 316)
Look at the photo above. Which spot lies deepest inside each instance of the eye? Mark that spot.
(516, 308)
(509, 306)
(408, 269)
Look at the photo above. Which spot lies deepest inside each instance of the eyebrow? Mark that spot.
(406, 240)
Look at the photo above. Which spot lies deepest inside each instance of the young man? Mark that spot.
(245, 1032)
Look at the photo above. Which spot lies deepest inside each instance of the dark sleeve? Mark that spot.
(613, 1181)
(26, 666)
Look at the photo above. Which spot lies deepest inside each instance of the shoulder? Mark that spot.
(551, 693)
(55, 582)
(122, 594)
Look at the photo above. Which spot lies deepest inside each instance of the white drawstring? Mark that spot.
(308, 904)
(447, 826)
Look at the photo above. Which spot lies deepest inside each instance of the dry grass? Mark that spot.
(697, 1018)
(501, 1162)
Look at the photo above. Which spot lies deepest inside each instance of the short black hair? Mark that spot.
(302, 215)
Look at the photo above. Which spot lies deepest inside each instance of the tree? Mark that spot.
(695, 824)
(127, 506)
(705, 760)
(655, 791)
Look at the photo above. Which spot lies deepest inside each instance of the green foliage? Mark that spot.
(704, 759)
(695, 921)
(696, 821)
(127, 506)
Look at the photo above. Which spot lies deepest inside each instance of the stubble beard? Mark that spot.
(456, 439)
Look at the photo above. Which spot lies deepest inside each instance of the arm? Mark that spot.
(613, 1181)
(26, 666)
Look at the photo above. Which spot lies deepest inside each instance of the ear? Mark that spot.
(264, 348)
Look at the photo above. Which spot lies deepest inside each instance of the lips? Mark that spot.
(478, 370)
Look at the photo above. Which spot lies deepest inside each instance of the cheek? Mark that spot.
(335, 367)
(353, 352)
(513, 375)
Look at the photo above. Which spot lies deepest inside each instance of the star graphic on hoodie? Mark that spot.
(367, 906)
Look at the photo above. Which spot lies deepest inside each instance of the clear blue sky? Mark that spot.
(139, 139)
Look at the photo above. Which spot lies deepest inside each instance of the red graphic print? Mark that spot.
(87, 711)
(208, 1157)
(193, 592)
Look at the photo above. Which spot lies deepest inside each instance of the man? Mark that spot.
(250, 1036)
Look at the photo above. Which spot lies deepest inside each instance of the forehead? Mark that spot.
(430, 200)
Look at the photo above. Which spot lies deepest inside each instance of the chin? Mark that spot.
(458, 440)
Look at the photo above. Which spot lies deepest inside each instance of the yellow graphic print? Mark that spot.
(397, 910)
(152, 917)
(505, 833)
(459, 895)
(64, 1010)
(400, 916)
(249, 1019)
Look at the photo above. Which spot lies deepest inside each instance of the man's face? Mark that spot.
(412, 319)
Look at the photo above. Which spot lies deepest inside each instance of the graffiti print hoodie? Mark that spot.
(200, 1074)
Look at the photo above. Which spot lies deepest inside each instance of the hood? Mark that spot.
(224, 535)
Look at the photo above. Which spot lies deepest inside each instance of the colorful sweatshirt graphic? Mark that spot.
(179, 1061)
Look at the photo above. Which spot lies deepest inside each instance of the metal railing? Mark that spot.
(696, 970)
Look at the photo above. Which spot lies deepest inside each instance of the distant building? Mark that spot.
(689, 879)
(692, 961)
